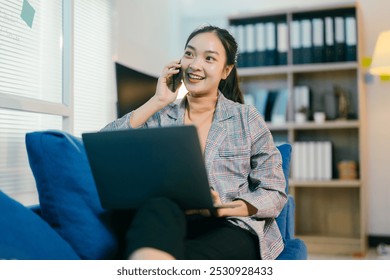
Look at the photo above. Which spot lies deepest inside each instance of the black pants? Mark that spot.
(161, 224)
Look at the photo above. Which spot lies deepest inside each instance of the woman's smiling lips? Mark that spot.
(194, 77)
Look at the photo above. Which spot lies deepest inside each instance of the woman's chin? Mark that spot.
(194, 89)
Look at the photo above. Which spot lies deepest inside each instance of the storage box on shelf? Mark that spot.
(320, 75)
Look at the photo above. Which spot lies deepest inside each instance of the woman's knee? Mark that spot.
(160, 223)
(161, 206)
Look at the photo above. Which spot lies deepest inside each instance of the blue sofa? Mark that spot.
(69, 222)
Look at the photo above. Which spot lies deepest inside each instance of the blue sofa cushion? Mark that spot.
(290, 219)
(68, 198)
(296, 250)
(281, 220)
(285, 151)
(25, 236)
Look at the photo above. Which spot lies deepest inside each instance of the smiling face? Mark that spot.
(204, 64)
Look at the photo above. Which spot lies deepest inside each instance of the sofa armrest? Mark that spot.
(294, 248)
(290, 221)
(36, 209)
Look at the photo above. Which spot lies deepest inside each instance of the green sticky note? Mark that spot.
(384, 78)
(366, 62)
(28, 13)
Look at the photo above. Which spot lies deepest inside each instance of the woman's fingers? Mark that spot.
(202, 212)
(215, 197)
(172, 68)
(166, 91)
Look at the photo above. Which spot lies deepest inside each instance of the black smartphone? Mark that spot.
(176, 81)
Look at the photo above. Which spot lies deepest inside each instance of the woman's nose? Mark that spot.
(195, 64)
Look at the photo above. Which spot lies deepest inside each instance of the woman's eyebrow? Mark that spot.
(208, 51)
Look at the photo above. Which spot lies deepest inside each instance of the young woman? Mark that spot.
(244, 167)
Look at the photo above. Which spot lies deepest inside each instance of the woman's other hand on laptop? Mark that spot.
(235, 208)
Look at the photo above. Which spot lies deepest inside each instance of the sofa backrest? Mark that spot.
(282, 219)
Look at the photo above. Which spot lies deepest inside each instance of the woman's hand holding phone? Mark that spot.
(168, 84)
(166, 93)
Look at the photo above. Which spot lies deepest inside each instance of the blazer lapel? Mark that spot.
(217, 131)
(176, 112)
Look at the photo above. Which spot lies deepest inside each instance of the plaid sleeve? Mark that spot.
(266, 178)
(121, 123)
(124, 122)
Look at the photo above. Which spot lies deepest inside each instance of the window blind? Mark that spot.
(16, 178)
(31, 67)
(94, 98)
(31, 57)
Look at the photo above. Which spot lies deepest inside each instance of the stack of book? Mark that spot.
(315, 37)
(302, 100)
(320, 38)
(271, 104)
(312, 160)
(261, 43)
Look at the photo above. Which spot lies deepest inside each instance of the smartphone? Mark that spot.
(176, 81)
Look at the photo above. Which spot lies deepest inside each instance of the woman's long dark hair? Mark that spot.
(230, 86)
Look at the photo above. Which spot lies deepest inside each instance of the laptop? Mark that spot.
(130, 166)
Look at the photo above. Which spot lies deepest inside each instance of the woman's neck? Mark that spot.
(200, 112)
(199, 105)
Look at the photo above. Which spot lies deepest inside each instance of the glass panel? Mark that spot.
(94, 97)
(31, 49)
(16, 178)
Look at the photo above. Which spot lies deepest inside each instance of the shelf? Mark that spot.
(337, 124)
(332, 245)
(324, 67)
(336, 183)
(297, 68)
(295, 9)
(263, 71)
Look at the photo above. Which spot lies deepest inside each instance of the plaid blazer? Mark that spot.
(242, 162)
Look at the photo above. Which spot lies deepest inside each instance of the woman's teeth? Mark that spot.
(195, 77)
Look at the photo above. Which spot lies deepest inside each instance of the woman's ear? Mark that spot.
(226, 71)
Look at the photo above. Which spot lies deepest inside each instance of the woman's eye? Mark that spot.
(188, 53)
(210, 58)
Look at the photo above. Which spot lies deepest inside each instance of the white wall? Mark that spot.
(146, 32)
(150, 33)
(375, 14)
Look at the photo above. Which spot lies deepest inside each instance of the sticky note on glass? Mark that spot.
(28, 13)
(366, 62)
(384, 78)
